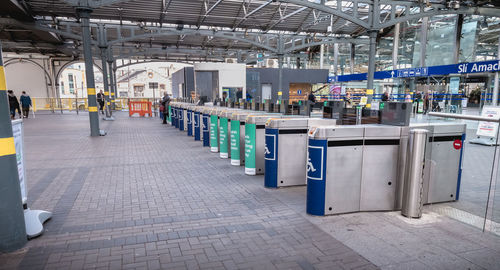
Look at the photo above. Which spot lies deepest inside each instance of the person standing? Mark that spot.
(25, 104)
(165, 102)
(100, 100)
(13, 104)
(385, 96)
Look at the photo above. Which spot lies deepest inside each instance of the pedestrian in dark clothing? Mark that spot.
(311, 97)
(25, 104)
(13, 104)
(385, 96)
(426, 103)
(165, 102)
(100, 100)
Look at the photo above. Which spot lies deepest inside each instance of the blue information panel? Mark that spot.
(462, 68)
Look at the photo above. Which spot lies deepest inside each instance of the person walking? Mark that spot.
(100, 100)
(13, 104)
(25, 104)
(165, 102)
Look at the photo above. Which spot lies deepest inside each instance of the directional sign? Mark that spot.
(462, 68)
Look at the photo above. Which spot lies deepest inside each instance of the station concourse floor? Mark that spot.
(146, 196)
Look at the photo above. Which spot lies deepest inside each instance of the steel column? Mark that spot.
(395, 51)
(103, 47)
(84, 14)
(423, 40)
(111, 80)
(12, 227)
(371, 62)
(352, 54)
(335, 58)
(321, 53)
(395, 47)
(280, 75)
(458, 35)
(496, 82)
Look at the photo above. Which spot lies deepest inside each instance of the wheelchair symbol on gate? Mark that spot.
(266, 151)
(310, 167)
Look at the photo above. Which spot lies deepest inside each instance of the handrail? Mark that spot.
(465, 117)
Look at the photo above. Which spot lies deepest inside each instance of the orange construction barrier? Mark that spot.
(140, 107)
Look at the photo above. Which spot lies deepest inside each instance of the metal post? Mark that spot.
(395, 47)
(414, 175)
(496, 86)
(280, 75)
(352, 54)
(84, 14)
(114, 94)
(458, 35)
(371, 63)
(111, 82)
(321, 53)
(335, 58)
(423, 40)
(12, 226)
(103, 47)
(395, 51)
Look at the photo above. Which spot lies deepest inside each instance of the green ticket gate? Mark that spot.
(254, 142)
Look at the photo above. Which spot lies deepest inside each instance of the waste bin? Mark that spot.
(285, 151)
(443, 168)
(254, 142)
(353, 168)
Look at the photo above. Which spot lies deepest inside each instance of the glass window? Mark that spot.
(71, 83)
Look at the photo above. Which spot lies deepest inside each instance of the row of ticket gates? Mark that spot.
(347, 168)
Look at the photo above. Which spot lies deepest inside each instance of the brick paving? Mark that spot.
(148, 197)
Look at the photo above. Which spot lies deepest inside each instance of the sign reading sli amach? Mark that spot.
(462, 68)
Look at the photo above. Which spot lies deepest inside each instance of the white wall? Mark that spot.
(230, 75)
(27, 77)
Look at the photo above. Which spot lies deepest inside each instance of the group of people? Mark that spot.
(15, 105)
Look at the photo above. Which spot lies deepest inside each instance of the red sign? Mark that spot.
(457, 144)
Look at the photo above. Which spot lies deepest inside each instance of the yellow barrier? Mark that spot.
(80, 104)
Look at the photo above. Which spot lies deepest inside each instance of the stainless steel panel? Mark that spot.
(242, 145)
(379, 177)
(381, 131)
(260, 143)
(343, 179)
(292, 157)
(443, 172)
(348, 132)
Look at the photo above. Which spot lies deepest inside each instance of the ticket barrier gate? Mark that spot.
(184, 107)
(180, 115)
(189, 119)
(237, 135)
(255, 141)
(224, 132)
(205, 126)
(285, 151)
(197, 126)
(214, 128)
(173, 116)
(443, 165)
(354, 168)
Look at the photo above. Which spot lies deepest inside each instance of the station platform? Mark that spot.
(146, 196)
